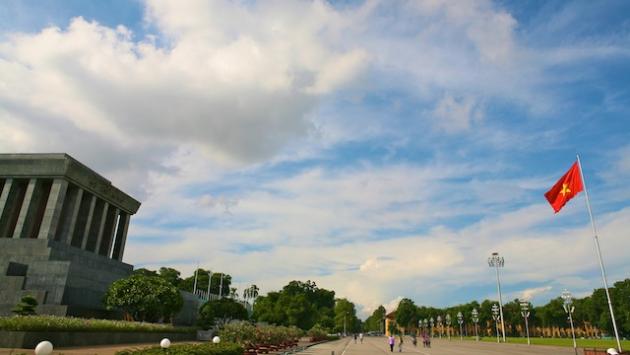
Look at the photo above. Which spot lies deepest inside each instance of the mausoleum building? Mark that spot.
(63, 230)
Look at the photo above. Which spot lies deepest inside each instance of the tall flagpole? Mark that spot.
(209, 283)
(195, 285)
(599, 255)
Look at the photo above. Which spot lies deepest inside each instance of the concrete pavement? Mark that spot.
(378, 346)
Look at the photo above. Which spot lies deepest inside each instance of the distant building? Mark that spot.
(63, 229)
(390, 323)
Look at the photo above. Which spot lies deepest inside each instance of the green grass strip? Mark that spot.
(568, 342)
(71, 324)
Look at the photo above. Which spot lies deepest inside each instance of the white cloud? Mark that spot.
(454, 115)
(326, 225)
(531, 293)
(223, 90)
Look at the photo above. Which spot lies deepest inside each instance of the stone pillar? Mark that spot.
(67, 230)
(107, 241)
(121, 237)
(4, 198)
(101, 227)
(24, 211)
(54, 207)
(88, 222)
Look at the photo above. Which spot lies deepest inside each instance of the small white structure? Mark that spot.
(44, 348)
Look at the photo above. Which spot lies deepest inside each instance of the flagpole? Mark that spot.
(599, 254)
(195, 285)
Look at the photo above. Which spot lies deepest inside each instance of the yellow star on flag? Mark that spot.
(565, 189)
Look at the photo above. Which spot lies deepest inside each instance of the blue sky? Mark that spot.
(382, 149)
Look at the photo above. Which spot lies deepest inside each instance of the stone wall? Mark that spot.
(64, 280)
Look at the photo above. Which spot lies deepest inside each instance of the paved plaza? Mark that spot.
(370, 346)
(378, 346)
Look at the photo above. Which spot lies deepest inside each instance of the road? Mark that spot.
(378, 346)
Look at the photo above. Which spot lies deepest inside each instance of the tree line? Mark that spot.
(306, 306)
(589, 311)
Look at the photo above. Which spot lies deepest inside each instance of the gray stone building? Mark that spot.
(63, 229)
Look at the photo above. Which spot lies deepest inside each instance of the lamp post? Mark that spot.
(440, 326)
(425, 322)
(448, 325)
(525, 314)
(460, 320)
(496, 262)
(383, 324)
(344, 324)
(569, 308)
(475, 319)
(432, 323)
(496, 316)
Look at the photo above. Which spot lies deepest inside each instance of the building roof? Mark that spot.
(62, 165)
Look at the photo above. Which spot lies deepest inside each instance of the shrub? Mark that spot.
(144, 297)
(317, 333)
(220, 312)
(189, 349)
(243, 333)
(70, 324)
(248, 335)
(26, 307)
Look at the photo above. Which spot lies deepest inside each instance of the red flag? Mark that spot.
(569, 185)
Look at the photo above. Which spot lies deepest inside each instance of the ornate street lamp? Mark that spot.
(475, 319)
(460, 320)
(569, 308)
(440, 326)
(448, 325)
(496, 262)
(432, 323)
(496, 316)
(525, 314)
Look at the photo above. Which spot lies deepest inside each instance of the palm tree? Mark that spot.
(233, 293)
(246, 294)
(253, 293)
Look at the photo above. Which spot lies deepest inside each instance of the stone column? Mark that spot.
(54, 205)
(4, 197)
(26, 206)
(121, 237)
(88, 223)
(68, 230)
(101, 227)
(107, 242)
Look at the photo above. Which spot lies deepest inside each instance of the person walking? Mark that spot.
(355, 338)
(361, 337)
(426, 340)
(391, 341)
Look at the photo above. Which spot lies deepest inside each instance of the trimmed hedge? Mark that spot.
(189, 349)
(71, 324)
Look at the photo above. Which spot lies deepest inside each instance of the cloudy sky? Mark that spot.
(383, 149)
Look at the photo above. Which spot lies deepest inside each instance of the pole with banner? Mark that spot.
(569, 185)
(599, 255)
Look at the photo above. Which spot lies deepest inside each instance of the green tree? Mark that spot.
(144, 272)
(188, 283)
(406, 315)
(220, 312)
(375, 322)
(171, 275)
(301, 304)
(145, 298)
(26, 306)
(345, 314)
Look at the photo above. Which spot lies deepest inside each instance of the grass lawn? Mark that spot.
(581, 343)
(70, 324)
